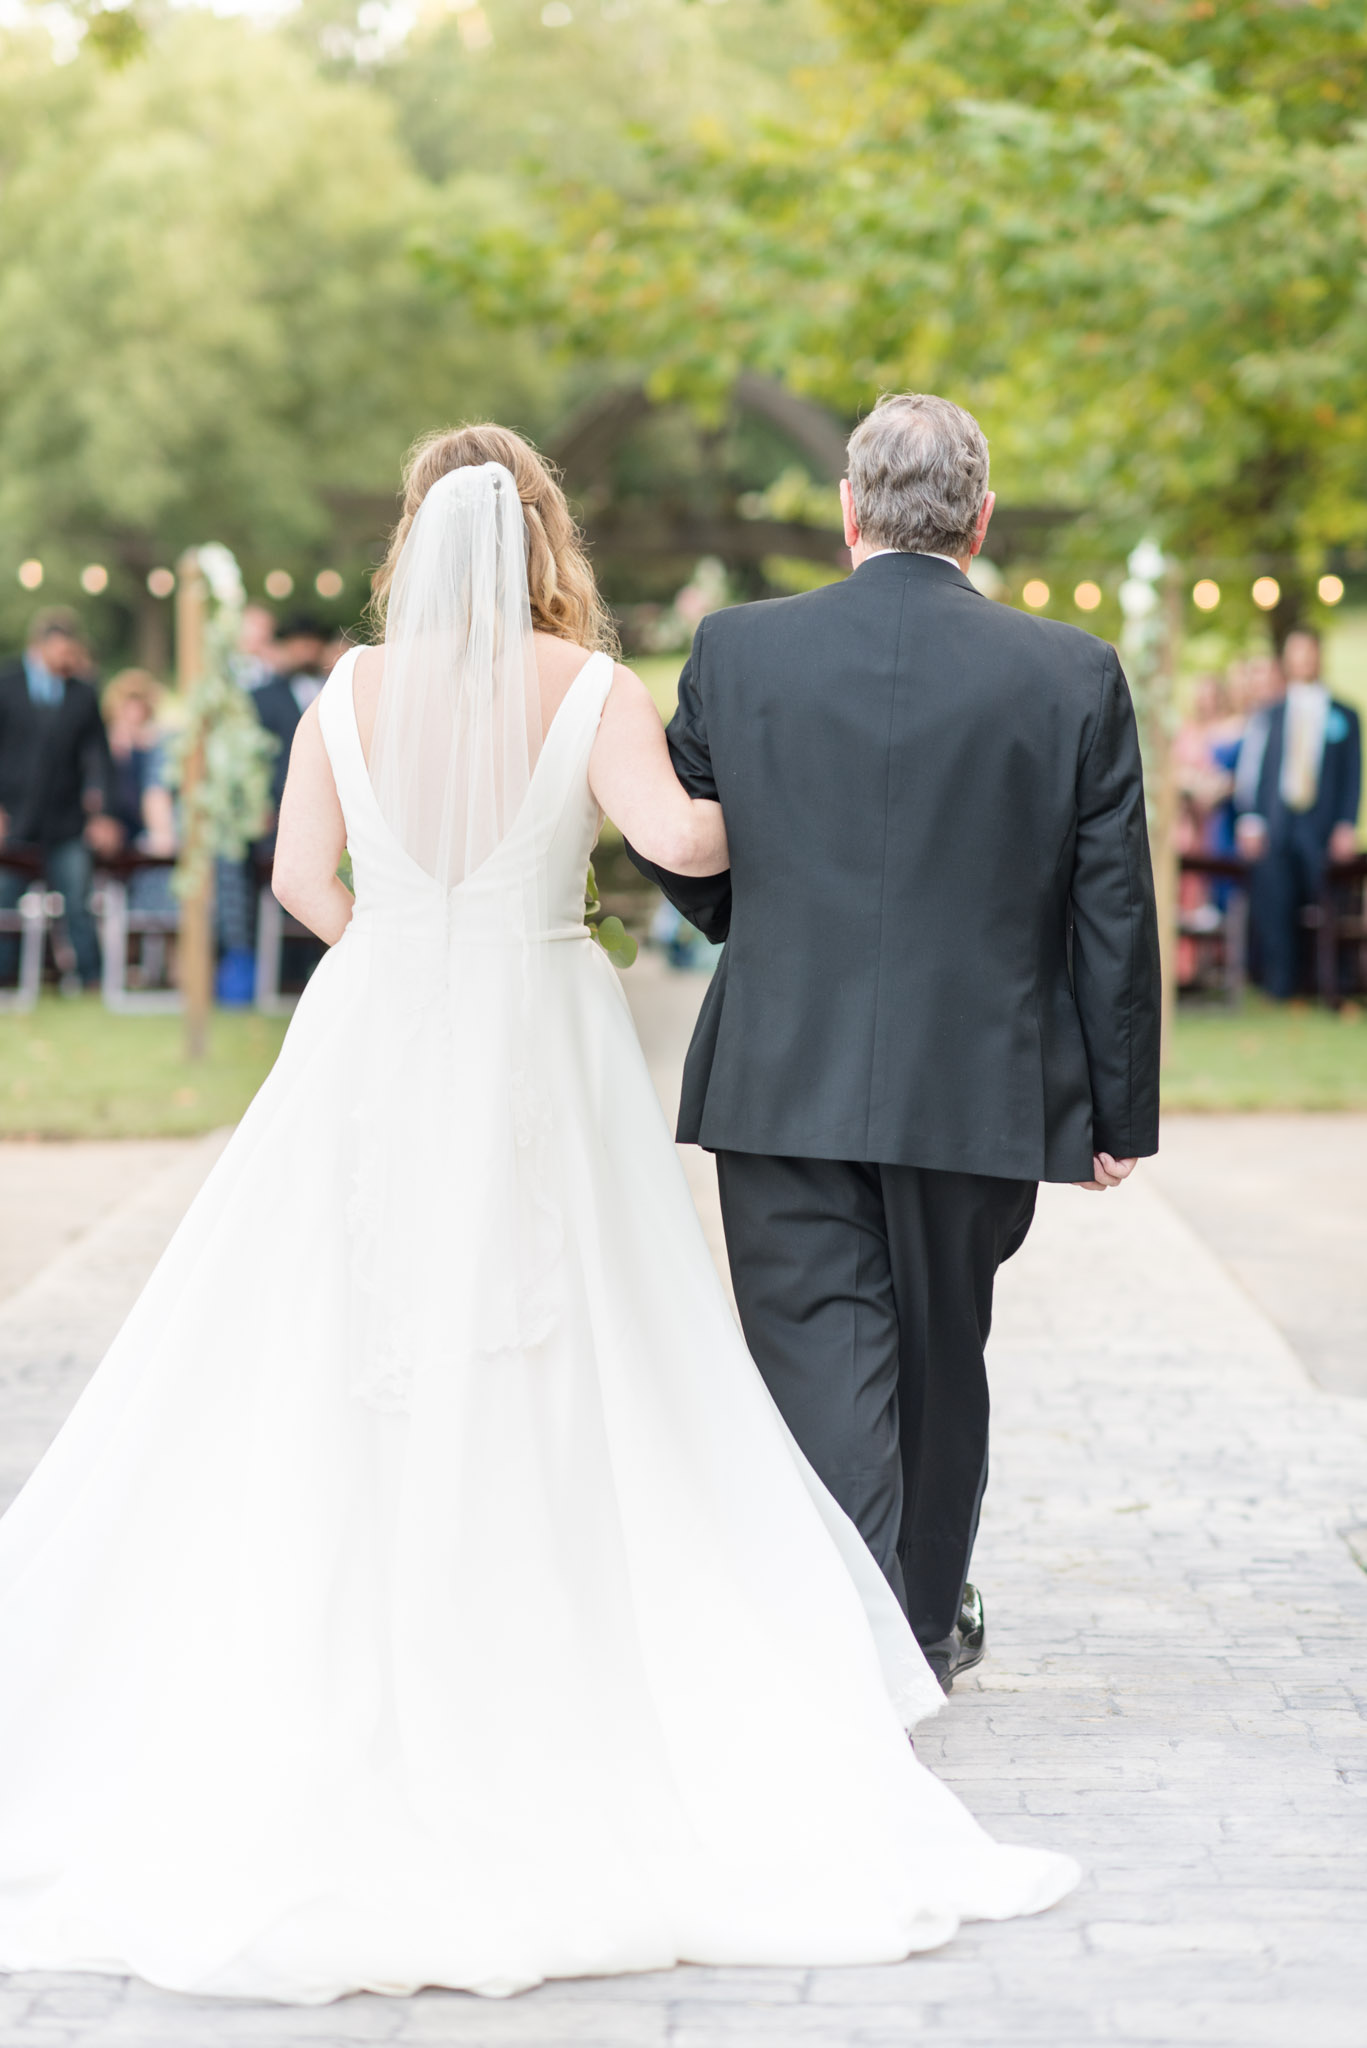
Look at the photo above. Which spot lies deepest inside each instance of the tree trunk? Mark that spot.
(195, 954)
(151, 634)
(1162, 767)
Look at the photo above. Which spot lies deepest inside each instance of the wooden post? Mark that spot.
(196, 951)
(1163, 766)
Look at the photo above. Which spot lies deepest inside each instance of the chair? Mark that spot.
(1219, 931)
(28, 922)
(122, 928)
(1339, 922)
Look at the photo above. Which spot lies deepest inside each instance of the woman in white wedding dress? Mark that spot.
(425, 1590)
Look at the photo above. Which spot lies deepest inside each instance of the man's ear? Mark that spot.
(847, 510)
(984, 521)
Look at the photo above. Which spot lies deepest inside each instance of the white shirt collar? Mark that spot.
(929, 554)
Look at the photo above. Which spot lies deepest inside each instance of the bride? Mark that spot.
(425, 1590)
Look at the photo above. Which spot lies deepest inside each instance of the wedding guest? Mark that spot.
(1264, 687)
(302, 666)
(1299, 811)
(1226, 743)
(141, 799)
(1200, 778)
(299, 654)
(55, 779)
(254, 662)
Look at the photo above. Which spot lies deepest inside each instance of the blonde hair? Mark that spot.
(564, 595)
(128, 686)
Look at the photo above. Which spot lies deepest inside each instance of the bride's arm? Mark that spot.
(633, 779)
(312, 838)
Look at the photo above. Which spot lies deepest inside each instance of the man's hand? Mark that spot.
(104, 835)
(1343, 842)
(1250, 836)
(1107, 1173)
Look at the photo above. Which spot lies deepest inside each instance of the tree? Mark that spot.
(1128, 233)
(1130, 236)
(210, 325)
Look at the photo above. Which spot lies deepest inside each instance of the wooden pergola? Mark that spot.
(585, 448)
(587, 445)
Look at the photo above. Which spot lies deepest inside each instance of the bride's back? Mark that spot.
(558, 662)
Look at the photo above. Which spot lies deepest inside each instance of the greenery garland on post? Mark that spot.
(220, 763)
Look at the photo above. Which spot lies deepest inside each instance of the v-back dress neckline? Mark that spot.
(344, 678)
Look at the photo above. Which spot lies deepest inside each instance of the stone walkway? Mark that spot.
(1176, 1690)
(1282, 1201)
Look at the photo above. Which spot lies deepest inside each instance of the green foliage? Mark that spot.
(608, 932)
(226, 807)
(1129, 236)
(117, 34)
(209, 319)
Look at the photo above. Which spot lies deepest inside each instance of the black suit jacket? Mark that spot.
(1340, 791)
(942, 947)
(275, 705)
(49, 759)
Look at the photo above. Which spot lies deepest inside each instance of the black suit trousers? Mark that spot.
(1285, 880)
(865, 1294)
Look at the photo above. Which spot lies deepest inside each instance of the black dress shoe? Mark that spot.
(963, 1647)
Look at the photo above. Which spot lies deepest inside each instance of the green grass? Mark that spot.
(660, 673)
(1268, 1056)
(69, 1069)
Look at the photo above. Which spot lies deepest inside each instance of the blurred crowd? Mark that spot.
(1269, 773)
(84, 778)
(1268, 766)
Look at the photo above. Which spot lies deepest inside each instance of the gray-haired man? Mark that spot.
(940, 984)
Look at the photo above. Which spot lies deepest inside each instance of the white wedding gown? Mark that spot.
(425, 1590)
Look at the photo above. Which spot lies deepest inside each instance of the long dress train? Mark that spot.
(425, 1590)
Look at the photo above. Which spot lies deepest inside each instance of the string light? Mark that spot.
(1087, 596)
(473, 28)
(31, 575)
(1205, 595)
(94, 579)
(161, 582)
(1330, 589)
(1266, 591)
(328, 583)
(279, 583)
(1036, 594)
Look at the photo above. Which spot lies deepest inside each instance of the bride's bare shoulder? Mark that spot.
(558, 661)
(369, 667)
(365, 692)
